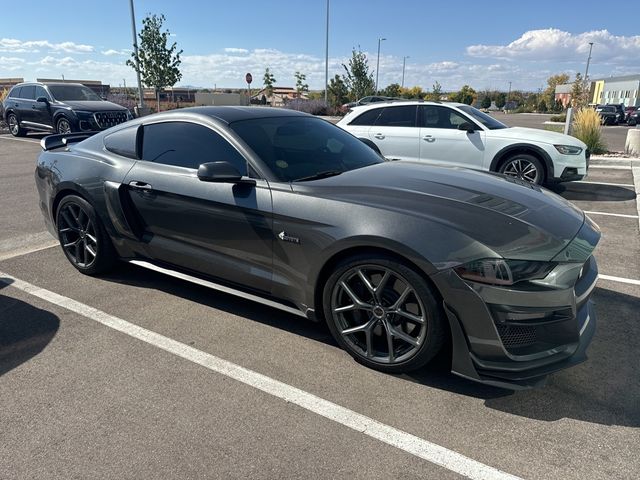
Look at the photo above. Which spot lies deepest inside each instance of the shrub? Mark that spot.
(3, 94)
(558, 118)
(314, 107)
(586, 127)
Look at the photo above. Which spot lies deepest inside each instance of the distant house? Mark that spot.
(9, 82)
(563, 94)
(279, 96)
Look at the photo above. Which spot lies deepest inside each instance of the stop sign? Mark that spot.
(248, 78)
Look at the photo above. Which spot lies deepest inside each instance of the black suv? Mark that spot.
(59, 108)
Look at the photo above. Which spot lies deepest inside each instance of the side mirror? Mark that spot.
(42, 100)
(467, 127)
(221, 172)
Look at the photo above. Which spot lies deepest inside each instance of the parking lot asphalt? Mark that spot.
(81, 400)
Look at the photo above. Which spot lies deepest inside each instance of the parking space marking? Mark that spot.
(630, 281)
(623, 215)
(610, 167)
(626, 185)
(20, 139)
(636, 180)
(404, 441)
(26, 251)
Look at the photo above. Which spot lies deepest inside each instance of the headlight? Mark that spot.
(498, 271)
(568, 149)
(82, 113)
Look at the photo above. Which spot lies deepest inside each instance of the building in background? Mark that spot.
(618, 90)
(563, 94)
(10, 82)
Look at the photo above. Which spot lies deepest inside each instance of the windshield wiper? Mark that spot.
(319, 175)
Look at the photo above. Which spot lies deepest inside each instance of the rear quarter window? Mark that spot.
(367, 118)
(123, 142)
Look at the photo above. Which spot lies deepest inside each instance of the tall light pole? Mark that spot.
(404, 62)
(508, 95)
(326, 59)
(586, 71)
(378, 62)
(135, 51)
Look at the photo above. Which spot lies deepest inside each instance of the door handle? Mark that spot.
(379, 136)
(140, 185)
(429, 138)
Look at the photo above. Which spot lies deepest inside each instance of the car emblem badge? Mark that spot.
(286, 238)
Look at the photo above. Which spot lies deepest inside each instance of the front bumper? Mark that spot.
(514, 338)
(571, 167)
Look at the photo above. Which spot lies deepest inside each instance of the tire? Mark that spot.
(63, 125)
(375, 327)
(525, 167)
(14, 126)
(82, 236)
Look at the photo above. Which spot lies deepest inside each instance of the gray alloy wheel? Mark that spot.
(14, 126)
(63, 126)
(82, 236)
(524, 167)
(383, 314)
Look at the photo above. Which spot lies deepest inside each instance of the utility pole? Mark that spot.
(326, 59)
(378, 63)
(508, 95)
(404, 62)
(135, 51)
(586, 71)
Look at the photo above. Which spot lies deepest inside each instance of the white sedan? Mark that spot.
(455, 134)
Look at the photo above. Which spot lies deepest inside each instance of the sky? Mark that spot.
(484, 44)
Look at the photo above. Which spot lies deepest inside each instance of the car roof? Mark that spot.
(230, 114)
(403, 102)
(50, 84)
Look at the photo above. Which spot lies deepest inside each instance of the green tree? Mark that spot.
(465, 95)
(301, 86)
(338, 93)
(156, 62)
(392, 90)
(269, 80)
(435, 94)
(358, 79)
(542, 106)
(577, 91)
(501, 99)
(412, 93)
(486, 101)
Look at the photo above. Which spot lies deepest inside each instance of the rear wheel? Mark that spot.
(82, 236)
(14, 126)
(525, 167)
(383, 313)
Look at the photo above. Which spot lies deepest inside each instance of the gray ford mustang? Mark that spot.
(398, 258)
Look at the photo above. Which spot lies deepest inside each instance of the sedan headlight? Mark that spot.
(568, 149)
(499, 271)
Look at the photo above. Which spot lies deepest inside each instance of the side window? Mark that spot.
(41, 92)
(404, 116)
(187, 145)
(367, 118)
(433, 116)
(15, 92)
(123, 142)
(28, 92)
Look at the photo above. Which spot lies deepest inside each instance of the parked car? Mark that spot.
(59, 107)
(627, 113)
(283, 208)
(608, 114)
(366, 101)
(634, 117)
(459, 135)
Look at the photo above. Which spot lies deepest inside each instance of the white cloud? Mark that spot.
(111, 52)
(34, 46)
(236, 50)
(553, 45)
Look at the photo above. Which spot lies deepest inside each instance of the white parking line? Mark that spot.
(610, 167)
(34, 141)
(636, 180)
(611, 214)
(627, 185)
(404, 441)
(630, 281)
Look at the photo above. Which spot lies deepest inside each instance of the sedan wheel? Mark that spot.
(82, 236)
(524, 167)
(384, 314)
(63, 126)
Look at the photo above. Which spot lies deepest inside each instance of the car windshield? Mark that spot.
(64, 93)
(304, 148)
(487, 120)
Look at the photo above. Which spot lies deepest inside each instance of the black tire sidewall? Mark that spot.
(60, 119)
(105, 255)
(529, 158)
(20, 132)
(434, 337)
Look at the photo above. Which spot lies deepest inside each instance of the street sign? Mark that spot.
(248, 78)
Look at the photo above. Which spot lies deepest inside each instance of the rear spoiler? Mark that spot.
(52, 142)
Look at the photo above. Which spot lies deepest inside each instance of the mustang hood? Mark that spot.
(93, 105)
(510, 217)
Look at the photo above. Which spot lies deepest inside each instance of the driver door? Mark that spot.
(218, 229)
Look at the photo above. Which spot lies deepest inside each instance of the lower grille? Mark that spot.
(109, 119)
(513, 336)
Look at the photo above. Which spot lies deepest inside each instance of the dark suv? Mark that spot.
(59, 108)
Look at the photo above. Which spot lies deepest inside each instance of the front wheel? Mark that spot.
(383, 313)
(524, 167)
(63, 125)
(82, 236)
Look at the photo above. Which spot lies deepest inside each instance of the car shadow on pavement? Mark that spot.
(24, 330)
(606, 388)
(593, 192)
